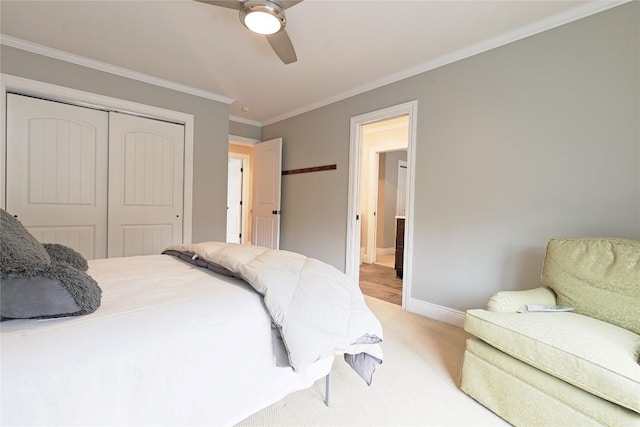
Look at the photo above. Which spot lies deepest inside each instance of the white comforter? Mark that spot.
(171, 344)
(320, 311)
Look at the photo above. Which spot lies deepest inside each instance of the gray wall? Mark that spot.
(532, 140)
(245, 130)
(210, 126)
(314, 205)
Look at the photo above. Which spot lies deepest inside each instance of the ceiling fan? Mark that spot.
(265, 17)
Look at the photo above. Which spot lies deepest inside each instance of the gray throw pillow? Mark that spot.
(17, 246)
(31, 287)
(56, 290)
(61, 254)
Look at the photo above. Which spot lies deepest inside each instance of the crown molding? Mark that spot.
(108, 68)
(546, 24)
(554, 21)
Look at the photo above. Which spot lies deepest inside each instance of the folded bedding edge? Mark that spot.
(195, 259)
(363, 363)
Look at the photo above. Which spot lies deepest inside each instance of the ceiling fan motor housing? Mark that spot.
(265, 6)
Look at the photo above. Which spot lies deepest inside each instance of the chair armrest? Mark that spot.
(511, 301)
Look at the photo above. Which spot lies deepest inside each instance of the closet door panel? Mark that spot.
(146, 167)
(57, 172)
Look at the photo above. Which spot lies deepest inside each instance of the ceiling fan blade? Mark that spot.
(282, 46)
(286, 4)
(229, 4)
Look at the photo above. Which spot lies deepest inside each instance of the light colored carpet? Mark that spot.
(418, 383)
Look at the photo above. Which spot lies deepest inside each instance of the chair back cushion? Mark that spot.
(599, 277)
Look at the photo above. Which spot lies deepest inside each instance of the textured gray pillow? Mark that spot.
(61, 254)
(50, 291)
(17, 246)
(31, 286)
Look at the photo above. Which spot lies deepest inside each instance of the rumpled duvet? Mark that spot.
(318, 310)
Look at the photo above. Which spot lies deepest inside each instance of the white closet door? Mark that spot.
(57, 172)
(146, 165)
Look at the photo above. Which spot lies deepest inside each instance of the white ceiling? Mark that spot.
(343, 47)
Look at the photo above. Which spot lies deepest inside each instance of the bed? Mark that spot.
(172, 343)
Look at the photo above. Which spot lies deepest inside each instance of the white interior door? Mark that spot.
(146, 166)
(57, 172)
(266, 193)
(234, 201)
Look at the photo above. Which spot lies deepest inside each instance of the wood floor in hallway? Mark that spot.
(380, 281)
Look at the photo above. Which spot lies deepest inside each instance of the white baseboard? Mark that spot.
(437, 312)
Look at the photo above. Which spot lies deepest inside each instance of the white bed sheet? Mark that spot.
(171, 344)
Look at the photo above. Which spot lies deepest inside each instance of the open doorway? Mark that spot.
(235, 199)
(390, 211)
(384, 146)
(259, 176)
(239, 189)
(373, 137)
(384, 143)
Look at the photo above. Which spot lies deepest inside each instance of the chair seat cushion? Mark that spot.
(591, 354)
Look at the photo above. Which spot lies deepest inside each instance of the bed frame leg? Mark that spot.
(327, 390)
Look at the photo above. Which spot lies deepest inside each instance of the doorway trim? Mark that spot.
(81, 98)
(352, 264)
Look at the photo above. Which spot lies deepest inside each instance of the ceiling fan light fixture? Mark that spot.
(262, 23)
(263, 17)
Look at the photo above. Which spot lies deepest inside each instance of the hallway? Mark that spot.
(380, 281)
